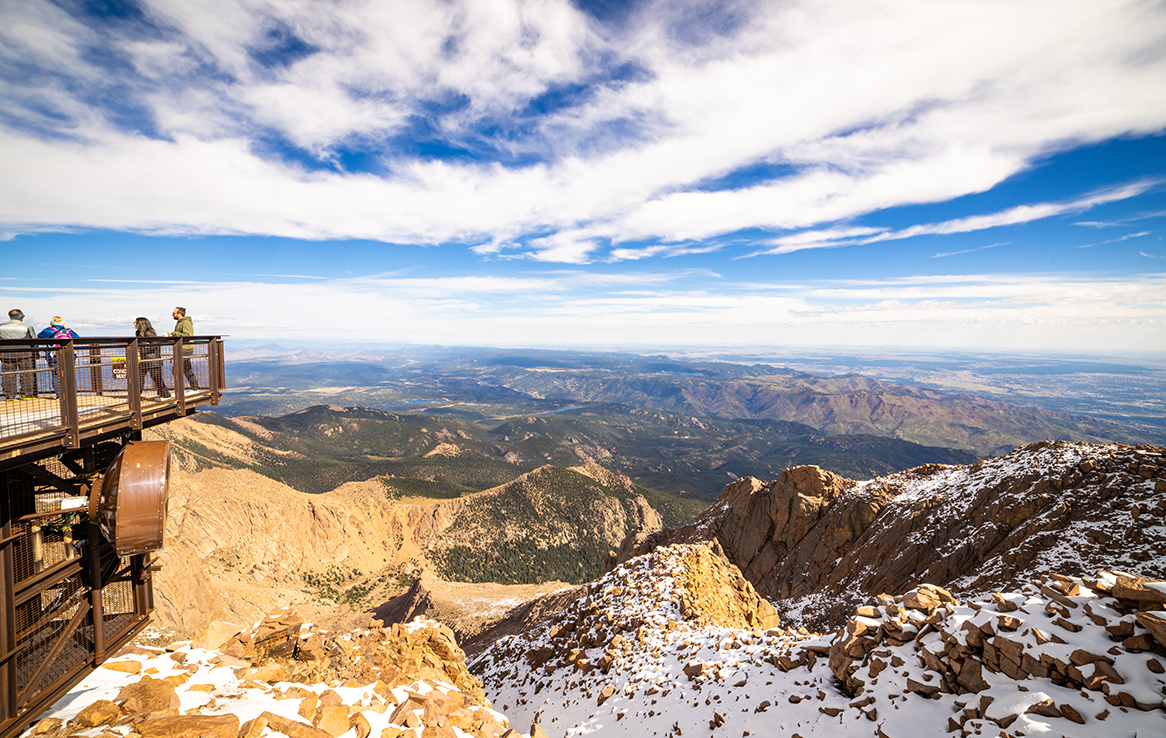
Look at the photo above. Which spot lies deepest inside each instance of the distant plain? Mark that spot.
(273, 379)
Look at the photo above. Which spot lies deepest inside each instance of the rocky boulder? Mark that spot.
(714, 593)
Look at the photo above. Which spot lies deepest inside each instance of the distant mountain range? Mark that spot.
(488, 386)
(533, 499)
(676, 459)
(849, 404)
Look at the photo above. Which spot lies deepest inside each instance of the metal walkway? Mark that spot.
(59, 394)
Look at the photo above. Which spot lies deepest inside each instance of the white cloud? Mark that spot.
(1126, 237)
(893, 102)
(969, 251)
(662, 250)
(1122, 221)
(650, 309)
(562, 248)
(1024, 213)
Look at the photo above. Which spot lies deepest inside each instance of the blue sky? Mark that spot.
(987, 174)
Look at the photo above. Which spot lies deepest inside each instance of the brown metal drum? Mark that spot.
(131, 503)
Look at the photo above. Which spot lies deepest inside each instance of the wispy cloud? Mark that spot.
(574, 307)
(150, 281)
(277, 276)
(969, 251)
(832, 238)
(663, 250)
(1121, 221)
(1126, 237)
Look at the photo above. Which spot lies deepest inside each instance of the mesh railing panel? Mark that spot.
(195, 368)
(29, 392)
(156, 372)
(39, 399)
(42, 546)
(117, 600)
(49, 604)
(101, 373)
(41, 624)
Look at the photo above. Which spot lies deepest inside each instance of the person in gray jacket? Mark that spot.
(17, 361)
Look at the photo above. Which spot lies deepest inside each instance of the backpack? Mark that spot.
(62, 333)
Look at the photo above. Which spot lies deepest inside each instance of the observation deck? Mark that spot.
(72, 412)
(61, 395)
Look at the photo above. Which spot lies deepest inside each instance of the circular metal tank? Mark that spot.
(131, 502)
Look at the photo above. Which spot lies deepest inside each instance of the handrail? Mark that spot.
(58, 392)
(47, 342)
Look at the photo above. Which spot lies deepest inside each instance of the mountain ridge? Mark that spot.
(245, 539)
(823, 543)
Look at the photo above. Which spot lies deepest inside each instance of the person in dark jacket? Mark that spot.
(58, 328)
(17, 360)
(150, 358)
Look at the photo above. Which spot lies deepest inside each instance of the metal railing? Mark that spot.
(58, 393)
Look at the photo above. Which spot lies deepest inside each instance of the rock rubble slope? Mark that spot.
(673, 643)
(284, 678)
(820, 543)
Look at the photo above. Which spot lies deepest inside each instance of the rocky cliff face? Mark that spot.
(821, 543)
(236, 542)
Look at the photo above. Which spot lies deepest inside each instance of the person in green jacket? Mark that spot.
(185, 328)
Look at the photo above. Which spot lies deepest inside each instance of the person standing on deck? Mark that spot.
(150, 358)
(57, 329)
(185, 327)
(15, 363)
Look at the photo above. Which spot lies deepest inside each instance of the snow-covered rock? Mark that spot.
(285, 679)
(1060, 656)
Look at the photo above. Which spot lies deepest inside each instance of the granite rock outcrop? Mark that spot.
(826, 542)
